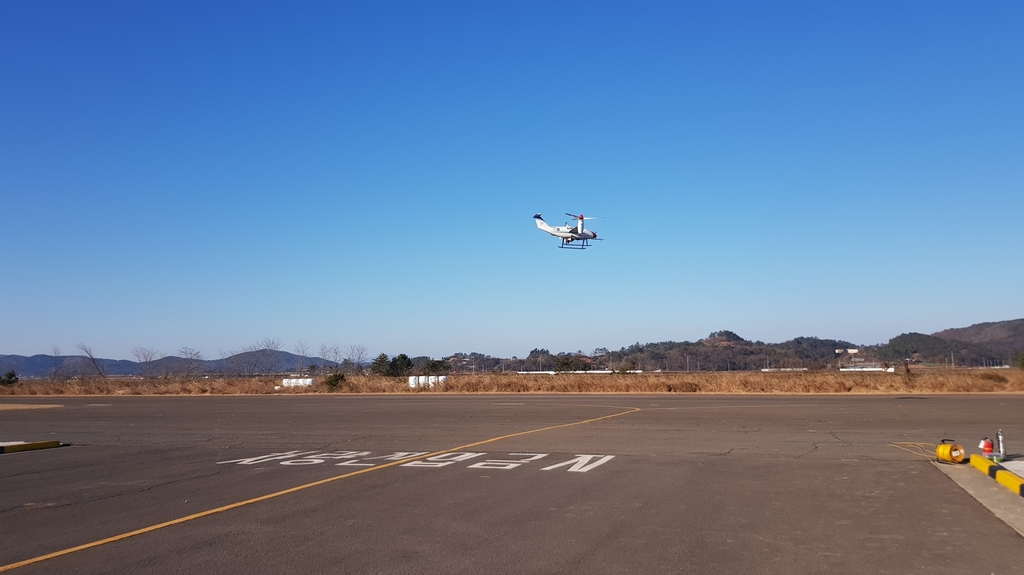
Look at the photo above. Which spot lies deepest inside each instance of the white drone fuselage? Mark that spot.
(567, 233)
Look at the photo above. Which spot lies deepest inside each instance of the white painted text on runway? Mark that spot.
(581, 463)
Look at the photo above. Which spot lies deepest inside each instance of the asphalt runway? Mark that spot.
(662, 484)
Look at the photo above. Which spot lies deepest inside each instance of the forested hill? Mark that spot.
(921, 348)
(984, 344)
(725, 351)
(1005, 337)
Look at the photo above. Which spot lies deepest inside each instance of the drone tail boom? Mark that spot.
(542, 224)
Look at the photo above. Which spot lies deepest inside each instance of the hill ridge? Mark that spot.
(982, 344)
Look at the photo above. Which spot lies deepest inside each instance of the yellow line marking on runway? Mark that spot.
(7, 406)
(292, 490)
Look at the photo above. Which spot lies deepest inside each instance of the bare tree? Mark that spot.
(261, 357)
(92, 361)
(245, 362)
(355, 354)
(268, 348)
(145, 356)
(193, 361)
(325, 351)
(330, 357)
(224, 363)
(301, 351)
(336, 356)
(58, 373)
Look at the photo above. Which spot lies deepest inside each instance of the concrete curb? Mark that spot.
(28, 446)
(1006, 506)
(1005, 477)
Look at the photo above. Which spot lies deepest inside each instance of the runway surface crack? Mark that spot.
(38, 471)
(116, 495)
(841, 440)
(816, 444)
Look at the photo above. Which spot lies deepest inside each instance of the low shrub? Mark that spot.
(334, 380)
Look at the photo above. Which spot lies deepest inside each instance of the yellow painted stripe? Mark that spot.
(292, 490)
(6, 406)
(1010, 481)
(1006, 478)
(981, 462)
(29, 446)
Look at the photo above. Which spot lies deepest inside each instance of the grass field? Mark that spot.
(925, 381)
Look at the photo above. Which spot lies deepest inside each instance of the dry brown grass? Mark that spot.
(140, 387)
(748, 382)
(938, 381)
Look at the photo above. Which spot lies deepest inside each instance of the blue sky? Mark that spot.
(180, 174)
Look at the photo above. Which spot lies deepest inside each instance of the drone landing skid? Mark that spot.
(568, 246)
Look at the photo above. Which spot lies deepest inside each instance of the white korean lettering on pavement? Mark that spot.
(443, 459)
(508, 463)
(396, 456)
(321, 457)
(271, 457)
(579, 464)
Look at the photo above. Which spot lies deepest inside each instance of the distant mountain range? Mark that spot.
(988, 344)
(981, 344)
(248, 363)
(1005, 337)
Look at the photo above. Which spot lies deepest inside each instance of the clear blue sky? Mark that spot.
(186, 174)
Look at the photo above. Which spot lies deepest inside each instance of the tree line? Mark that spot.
(720, 351)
